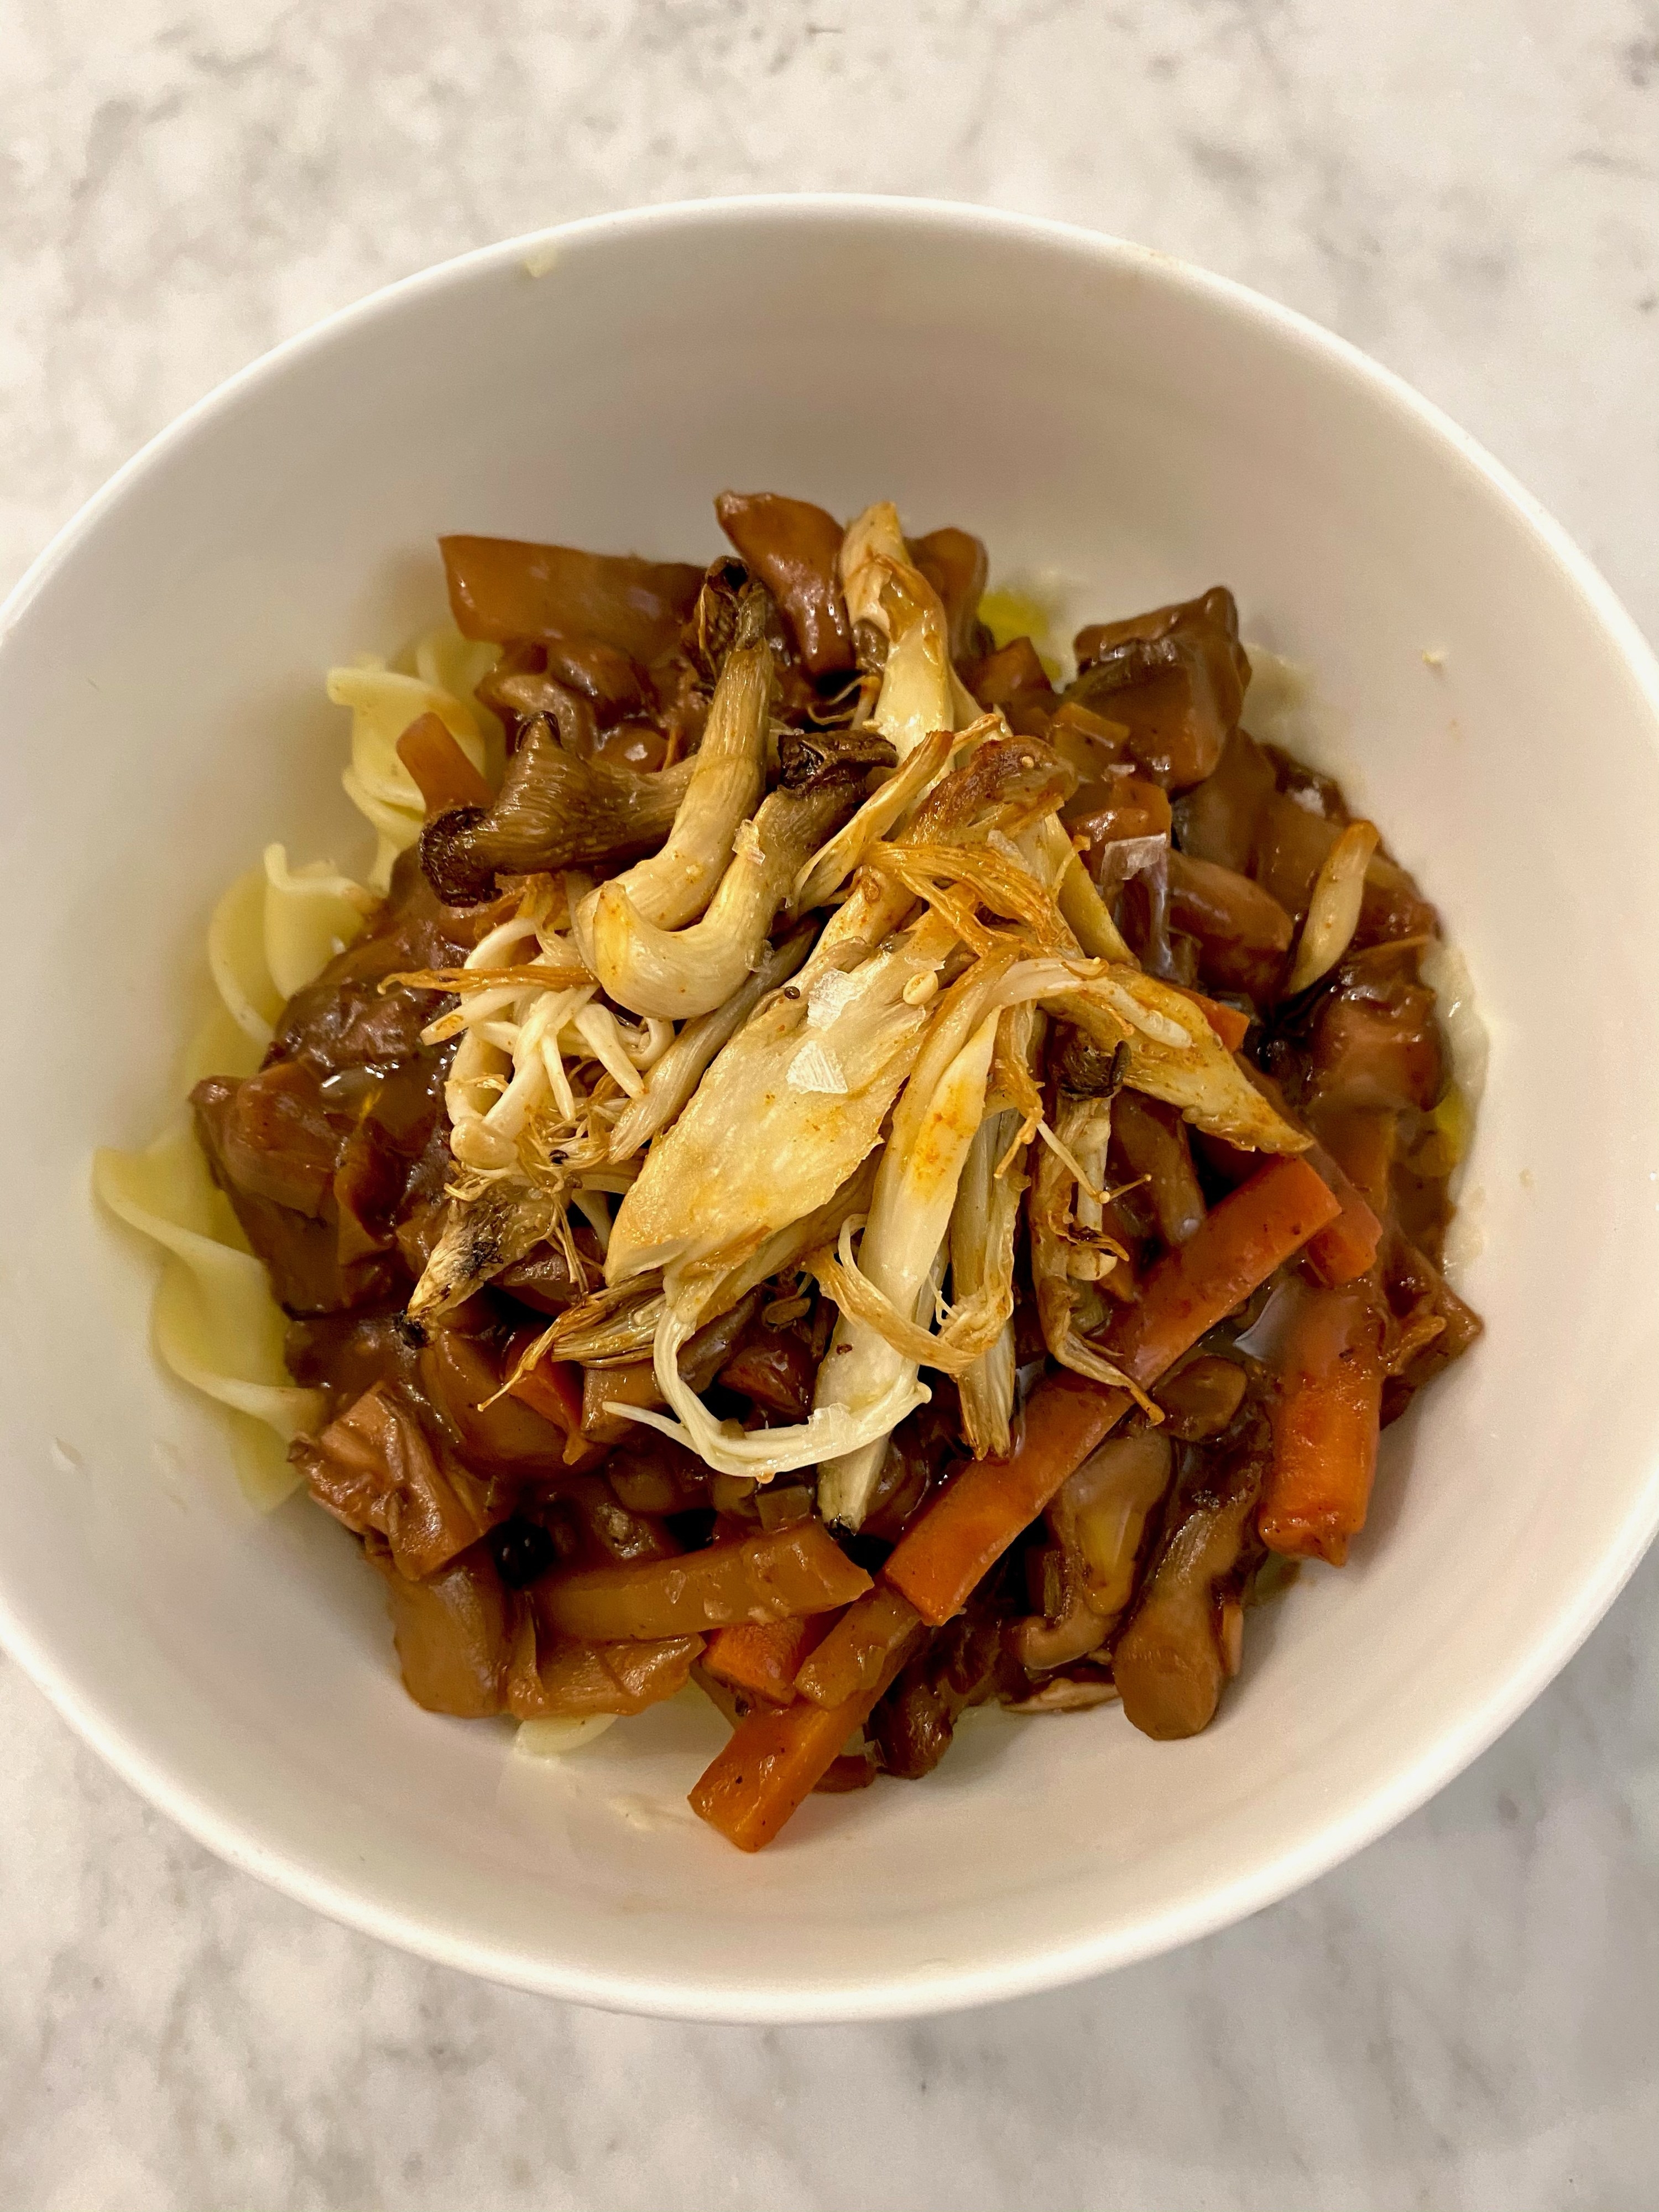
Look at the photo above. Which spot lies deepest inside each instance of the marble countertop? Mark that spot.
(1465, 2017)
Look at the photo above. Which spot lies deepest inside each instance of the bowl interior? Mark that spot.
(1120, 431)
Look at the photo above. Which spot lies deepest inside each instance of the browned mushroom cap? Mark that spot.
(502, 588)
(1175, 676)
(709, 634)
(1022, 774)
(794, 548)
(1079, 1065)
(810, 759)
(556, 811)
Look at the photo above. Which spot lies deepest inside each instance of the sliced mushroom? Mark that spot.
(1067, 1251)
(1102, 1513)
(1174, 1055)
(480, 1236)
(502, 588)
(1152, 1139)
(915, 1192)
(1172, 1660)
(1004, 785)
(709, 634)
(727, 773)
(556, 810)
(1174, 677)
(793, 547)
(784, 1116)
(679, 974)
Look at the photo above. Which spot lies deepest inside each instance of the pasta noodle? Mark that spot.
(384, 701)
(216, 1324)
(274, 930)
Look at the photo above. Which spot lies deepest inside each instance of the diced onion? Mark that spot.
(1333, 909)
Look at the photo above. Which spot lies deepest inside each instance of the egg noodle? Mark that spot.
(215, 1322)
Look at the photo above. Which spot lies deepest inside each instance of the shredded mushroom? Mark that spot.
(676, 1074)
(910, 1213)
(885, 593)
(828, 868)
(727, 773)
(915, 1194)
(983, 1226)
(1174, 1054)
(857, 1100)
(683, 973)
(1066, 1254)
(1002, 786)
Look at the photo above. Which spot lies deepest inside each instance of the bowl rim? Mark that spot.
(949, 1986)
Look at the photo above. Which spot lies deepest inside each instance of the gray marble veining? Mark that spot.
(1466, 2017)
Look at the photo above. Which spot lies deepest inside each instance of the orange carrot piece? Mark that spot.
(961, 1533)
(1231, 1023)
(553, 1387)
(447, 778)
(770, 1766)
(1345, 1249)
(1348, 1246)
(775, 1759)
(762, 1658)
(854, 1653)
(1254, 1230)
(1325, 1420)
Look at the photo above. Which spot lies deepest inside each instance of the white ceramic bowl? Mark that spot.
(1088, 408)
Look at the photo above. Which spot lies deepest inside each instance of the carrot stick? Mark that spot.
(447, 778)
(1346, 1247)
(961, 1533)
(1231, 1023)
(553, 1387)
(1325, 1424)
(854, 1653)
(1354, 1156)
(762, 1657)
(777, 1756)
(1235, 1248)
